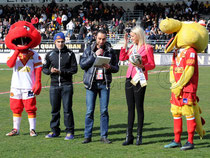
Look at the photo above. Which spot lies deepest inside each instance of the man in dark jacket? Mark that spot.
(61, 64)
(97, 81)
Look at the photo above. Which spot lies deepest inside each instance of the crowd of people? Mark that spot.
(83, 21)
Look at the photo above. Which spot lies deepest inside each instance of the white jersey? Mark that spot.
(23, 76)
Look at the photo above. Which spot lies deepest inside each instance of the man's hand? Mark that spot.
(106, 66)
(54, 70)
(99, 52)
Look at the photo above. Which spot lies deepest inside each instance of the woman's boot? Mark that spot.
(139, 140)
(128, 140)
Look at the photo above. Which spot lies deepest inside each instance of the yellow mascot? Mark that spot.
(189, 38)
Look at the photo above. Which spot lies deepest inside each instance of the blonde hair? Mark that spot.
(140, 34)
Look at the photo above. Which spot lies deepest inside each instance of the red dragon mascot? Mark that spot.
(26, 77)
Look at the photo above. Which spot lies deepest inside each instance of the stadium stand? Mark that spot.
(81, 22)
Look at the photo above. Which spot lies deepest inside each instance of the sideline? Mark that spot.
(117, 77)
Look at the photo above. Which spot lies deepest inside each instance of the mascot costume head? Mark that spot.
(26, 78)
(189, 38)
(22, 36)
(186, 35)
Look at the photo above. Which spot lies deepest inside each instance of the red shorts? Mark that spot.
(185, 99)
(20, 99)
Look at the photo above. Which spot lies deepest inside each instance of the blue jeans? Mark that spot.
(91, 95)
(69, 32)
(63, 93)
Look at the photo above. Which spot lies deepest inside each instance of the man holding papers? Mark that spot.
(97, 79)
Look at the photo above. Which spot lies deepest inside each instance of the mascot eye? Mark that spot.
(27, 28)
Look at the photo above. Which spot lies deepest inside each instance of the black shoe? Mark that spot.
(128, 140)
(105, 140)
(86, 140)
(139, 140)
(187, 146)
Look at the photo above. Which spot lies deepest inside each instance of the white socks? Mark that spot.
(32, 123)
(16, 123)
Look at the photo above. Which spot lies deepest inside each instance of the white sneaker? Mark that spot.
(14, 132)
(33, 133)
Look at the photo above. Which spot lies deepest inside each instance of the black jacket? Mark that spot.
(65, 61)
(88, 58)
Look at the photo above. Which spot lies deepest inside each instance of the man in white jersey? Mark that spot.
(26, 77)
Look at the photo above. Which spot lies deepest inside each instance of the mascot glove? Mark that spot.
(12, 60)
(176, 91)
(37, 88)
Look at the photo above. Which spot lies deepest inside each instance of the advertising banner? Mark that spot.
(46, 47)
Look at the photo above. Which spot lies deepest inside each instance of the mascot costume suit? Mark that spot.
(189, 39)
(26, 77)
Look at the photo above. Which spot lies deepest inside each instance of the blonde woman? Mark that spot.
(136, 79)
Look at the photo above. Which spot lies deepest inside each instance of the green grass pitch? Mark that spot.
(157, 132)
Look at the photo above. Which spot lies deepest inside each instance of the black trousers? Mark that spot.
(135, 98)
(64, 93)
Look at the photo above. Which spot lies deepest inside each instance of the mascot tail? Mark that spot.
(199, 121)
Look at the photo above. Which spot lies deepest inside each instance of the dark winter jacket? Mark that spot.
(65, 61)
(87, 61)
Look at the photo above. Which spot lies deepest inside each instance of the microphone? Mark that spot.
(102, 47)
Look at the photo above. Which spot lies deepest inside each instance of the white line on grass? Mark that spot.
(117, 77)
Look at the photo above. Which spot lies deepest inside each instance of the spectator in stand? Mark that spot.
(121, 27)
(89, 36)
(128, 28)
(195, 5)
(54, 17)
(70, 28)
(105, 28)
(201, 8)
(52, 28)
(148, 22)
(69, 13)
(58, 23)
(188, 3)
(207, 8)
(116, 22)
(96, 10)
(5, 23)
(64, 20)
(160, 35)
(82, 33)
(41, 19)
(35, 21)
(43, 15)
(77, 27)
(133, 23)
(112, 22)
